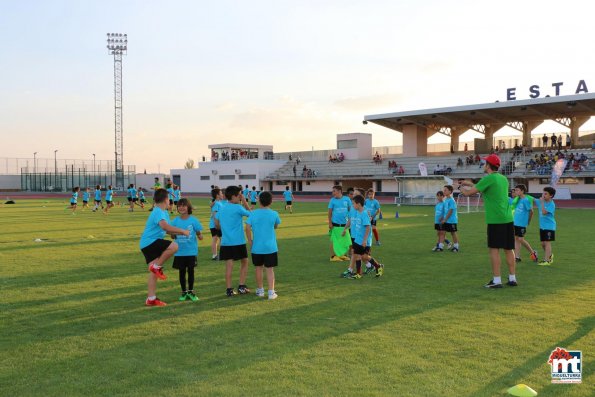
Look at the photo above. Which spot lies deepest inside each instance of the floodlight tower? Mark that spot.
(117, 45)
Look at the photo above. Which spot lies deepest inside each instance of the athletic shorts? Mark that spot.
(450, 227)
(233, 252)
(360, 250)
(520, 231)
(134, 200)
(129, 199)
(98, 201)
(73, 203)
(176, 203)
(183, 262)
(108, 201)
(373, 222)
(288, 202)
(266, 260)
(155, 249)
(85, 202)
(253, 202)
(547, 235)
(501, 236)
(216, 232)
(143, 200)
(438, 226)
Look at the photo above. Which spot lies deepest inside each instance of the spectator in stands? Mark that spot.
(559, 141)
(341, 157)
(299, 160)
(294, 171)
(290, 157)
(544, 140)
(459, 162)
(305, 171)
(553, 140)
(401, 170)
(466, 148)
(437, 169)
(377, 158)
(330, 158)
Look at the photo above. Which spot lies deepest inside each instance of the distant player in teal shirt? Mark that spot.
(288, 196)
(86, 198)
(141, 197)
(547, 224)
(109, 199)
(451, 220)
(260, 231)
(185, 258)
(253, 195)
(155, 249)
(521, 216)
(373, 207)
(74, 199)
(97, 198)
(229, 219)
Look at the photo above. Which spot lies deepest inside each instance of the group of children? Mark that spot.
(228, 210)
(446, 220)
(352, 222)
(109, 194)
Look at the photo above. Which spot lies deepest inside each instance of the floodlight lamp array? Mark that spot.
(117, 42)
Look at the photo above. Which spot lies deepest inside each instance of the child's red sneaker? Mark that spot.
(155, 302)
(158, 270)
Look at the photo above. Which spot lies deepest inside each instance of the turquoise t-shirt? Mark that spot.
(74, 198)
(521, 212)
(262, 222)
(438, 211)
(232, 226)
(214, 209)
(372, 206)
(98, 194)
(108, 195)
(187, 245)
(177, 194)
(253, 196)
(246, 193)
(152, 230)
(340, 207)
(352, 214)
(171, 193)
(287, 195)
(141, 195)
(449, 203)
(131, 192)
(547, 221)
(359, 222)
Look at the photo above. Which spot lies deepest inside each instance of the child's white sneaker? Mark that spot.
(260, 292)
(273, 295)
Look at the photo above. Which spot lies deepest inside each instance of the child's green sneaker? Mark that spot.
(183, 297)
(190, 295)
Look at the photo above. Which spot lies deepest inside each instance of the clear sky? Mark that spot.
(292, 74)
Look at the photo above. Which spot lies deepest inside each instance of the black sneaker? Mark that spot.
(511, 283)
(517, 260)
(242, 290)
(492, 285)
(454, 249)
(230, 292)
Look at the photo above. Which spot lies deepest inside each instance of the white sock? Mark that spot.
(152, 298)
(456, 245)
(497, 280)
(271, 292)
(441, 246)
(368, 265)
(511, 277)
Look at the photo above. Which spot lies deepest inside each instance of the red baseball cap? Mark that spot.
(493, 159)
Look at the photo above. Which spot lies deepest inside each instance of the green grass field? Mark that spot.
(73, 320)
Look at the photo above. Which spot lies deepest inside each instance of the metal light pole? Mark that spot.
(117, 45)
(34, 163)
(55, 168)
(94, 168)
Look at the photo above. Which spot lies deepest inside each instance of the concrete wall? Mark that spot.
(148, 180)
(363, 149)
(10, 182)
(242, 172)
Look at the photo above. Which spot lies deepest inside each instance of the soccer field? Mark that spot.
(73, 320)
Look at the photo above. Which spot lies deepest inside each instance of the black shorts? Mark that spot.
(134, 200)
(129, 199)
(450, 227)
(98, 201)
(233, 252)
(176, 203)
(520, 231)
(438, 226)
(501, 236)
(288, 202)
(253, 202)
(85, 202)
(171, 202)
(143, 200)
(352, 241)
(547, 235)
(108, 201)
(360, 250)
(373, 222)
(155, 249)
(266, 260)
(183, 262)
(216, 232)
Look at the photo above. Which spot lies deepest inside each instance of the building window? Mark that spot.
(347, 144)
(227, 177)
(205, 177)
(589, 180)
(252, 176)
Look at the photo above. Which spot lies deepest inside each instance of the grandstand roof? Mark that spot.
(548, 108)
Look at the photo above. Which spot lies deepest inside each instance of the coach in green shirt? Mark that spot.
(494, 189)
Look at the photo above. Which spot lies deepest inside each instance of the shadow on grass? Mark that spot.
(516, 375)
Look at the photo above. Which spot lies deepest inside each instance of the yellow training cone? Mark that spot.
(522, 390)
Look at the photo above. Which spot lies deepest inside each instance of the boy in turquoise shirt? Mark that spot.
(260, 231)
(547, 224)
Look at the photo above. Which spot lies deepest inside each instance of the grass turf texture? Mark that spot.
(73, 320)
